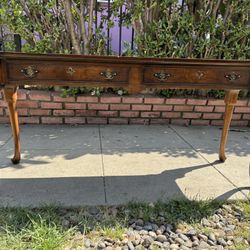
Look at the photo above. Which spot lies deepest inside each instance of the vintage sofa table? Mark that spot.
(131, 73)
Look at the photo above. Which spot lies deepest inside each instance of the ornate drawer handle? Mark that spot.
(108, 74)
(233, 76)
(70, 71)
(30, 71)
(162, 76)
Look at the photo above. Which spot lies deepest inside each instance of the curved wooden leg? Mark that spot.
(230, 100)
(10, 94)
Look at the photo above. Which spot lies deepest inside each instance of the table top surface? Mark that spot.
(121, 59)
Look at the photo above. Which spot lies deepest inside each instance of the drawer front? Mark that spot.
(196, 75)
(68, 72)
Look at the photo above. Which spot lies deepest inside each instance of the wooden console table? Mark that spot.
(133, 74)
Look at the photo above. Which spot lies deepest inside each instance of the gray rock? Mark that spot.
(212, 237)
(152, 235)
(139, 247)
(130, 245)
(184, 237)
(94, 210)
(101, 245)
(161, 238)
(188, 243)
(219, 247)
(87, 243)
(203, 245)
(205, 222)
(65, 223)
(147, 241)
(174, 246)
(191, 232)
(238, 239)
(154, 227)
(179, 241)
(173, 235)
(148, 227)
(211, 243)
(166, 245)
(125, 248)
(136, 242)
(222, 242)
(229, 243)
(203, 237)
(195, 243)
(138, 228)
(156, 244)
(139, 222)
(231, 227)
(183, 247)
(143, 232)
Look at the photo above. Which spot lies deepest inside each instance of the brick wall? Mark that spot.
(43, 107)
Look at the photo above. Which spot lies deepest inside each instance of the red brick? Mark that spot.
(220, 109)
(27, 104)
(29, 120)
(58, 98)
(246, 116)
(129, 114)
(111, 99)
(87, 99)
(162, 107)
(98, 106)
(118, 120)
(212, 116)
(75, 106)
(21, 94)
(180, 122)
(119, 106)
(183, 108)
(75, 120)
(139, 121)
(191, 115)
(154, 100)
(236, 116)
(142, 107)
(171, 114)
(216, 102)
(108, 113)
(52, 120)
(203, 108)
(86, 112)
(159, 121)
(150, 114)
(63, 112)
(241, 103)
(96, 120)
(22, 112)
(40, 112)
(39, 96)
(175, 101)
(51, 105)
(196, 102)
(132, 99)
(4, 120)
(3, 104)
(217, 122)
(242, 110)
(200, 122)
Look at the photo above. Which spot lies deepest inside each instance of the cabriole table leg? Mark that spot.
(230, 100)
(10, 94)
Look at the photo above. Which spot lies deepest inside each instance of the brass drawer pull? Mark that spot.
(162, 76)
(233, 76)
(70, 71)
(30, 71)
(108, 74)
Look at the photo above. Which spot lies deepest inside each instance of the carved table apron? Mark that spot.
(131, 73)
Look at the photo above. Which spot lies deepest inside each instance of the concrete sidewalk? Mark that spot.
(97, 165)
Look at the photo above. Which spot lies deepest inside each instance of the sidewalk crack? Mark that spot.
(103, 169)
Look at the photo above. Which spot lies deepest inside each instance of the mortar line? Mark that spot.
(103, 169)
(204, 158)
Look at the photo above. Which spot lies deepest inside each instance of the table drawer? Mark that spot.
(68, 72)
(195, 75)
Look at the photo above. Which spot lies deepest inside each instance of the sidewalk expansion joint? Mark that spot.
(103, 169)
